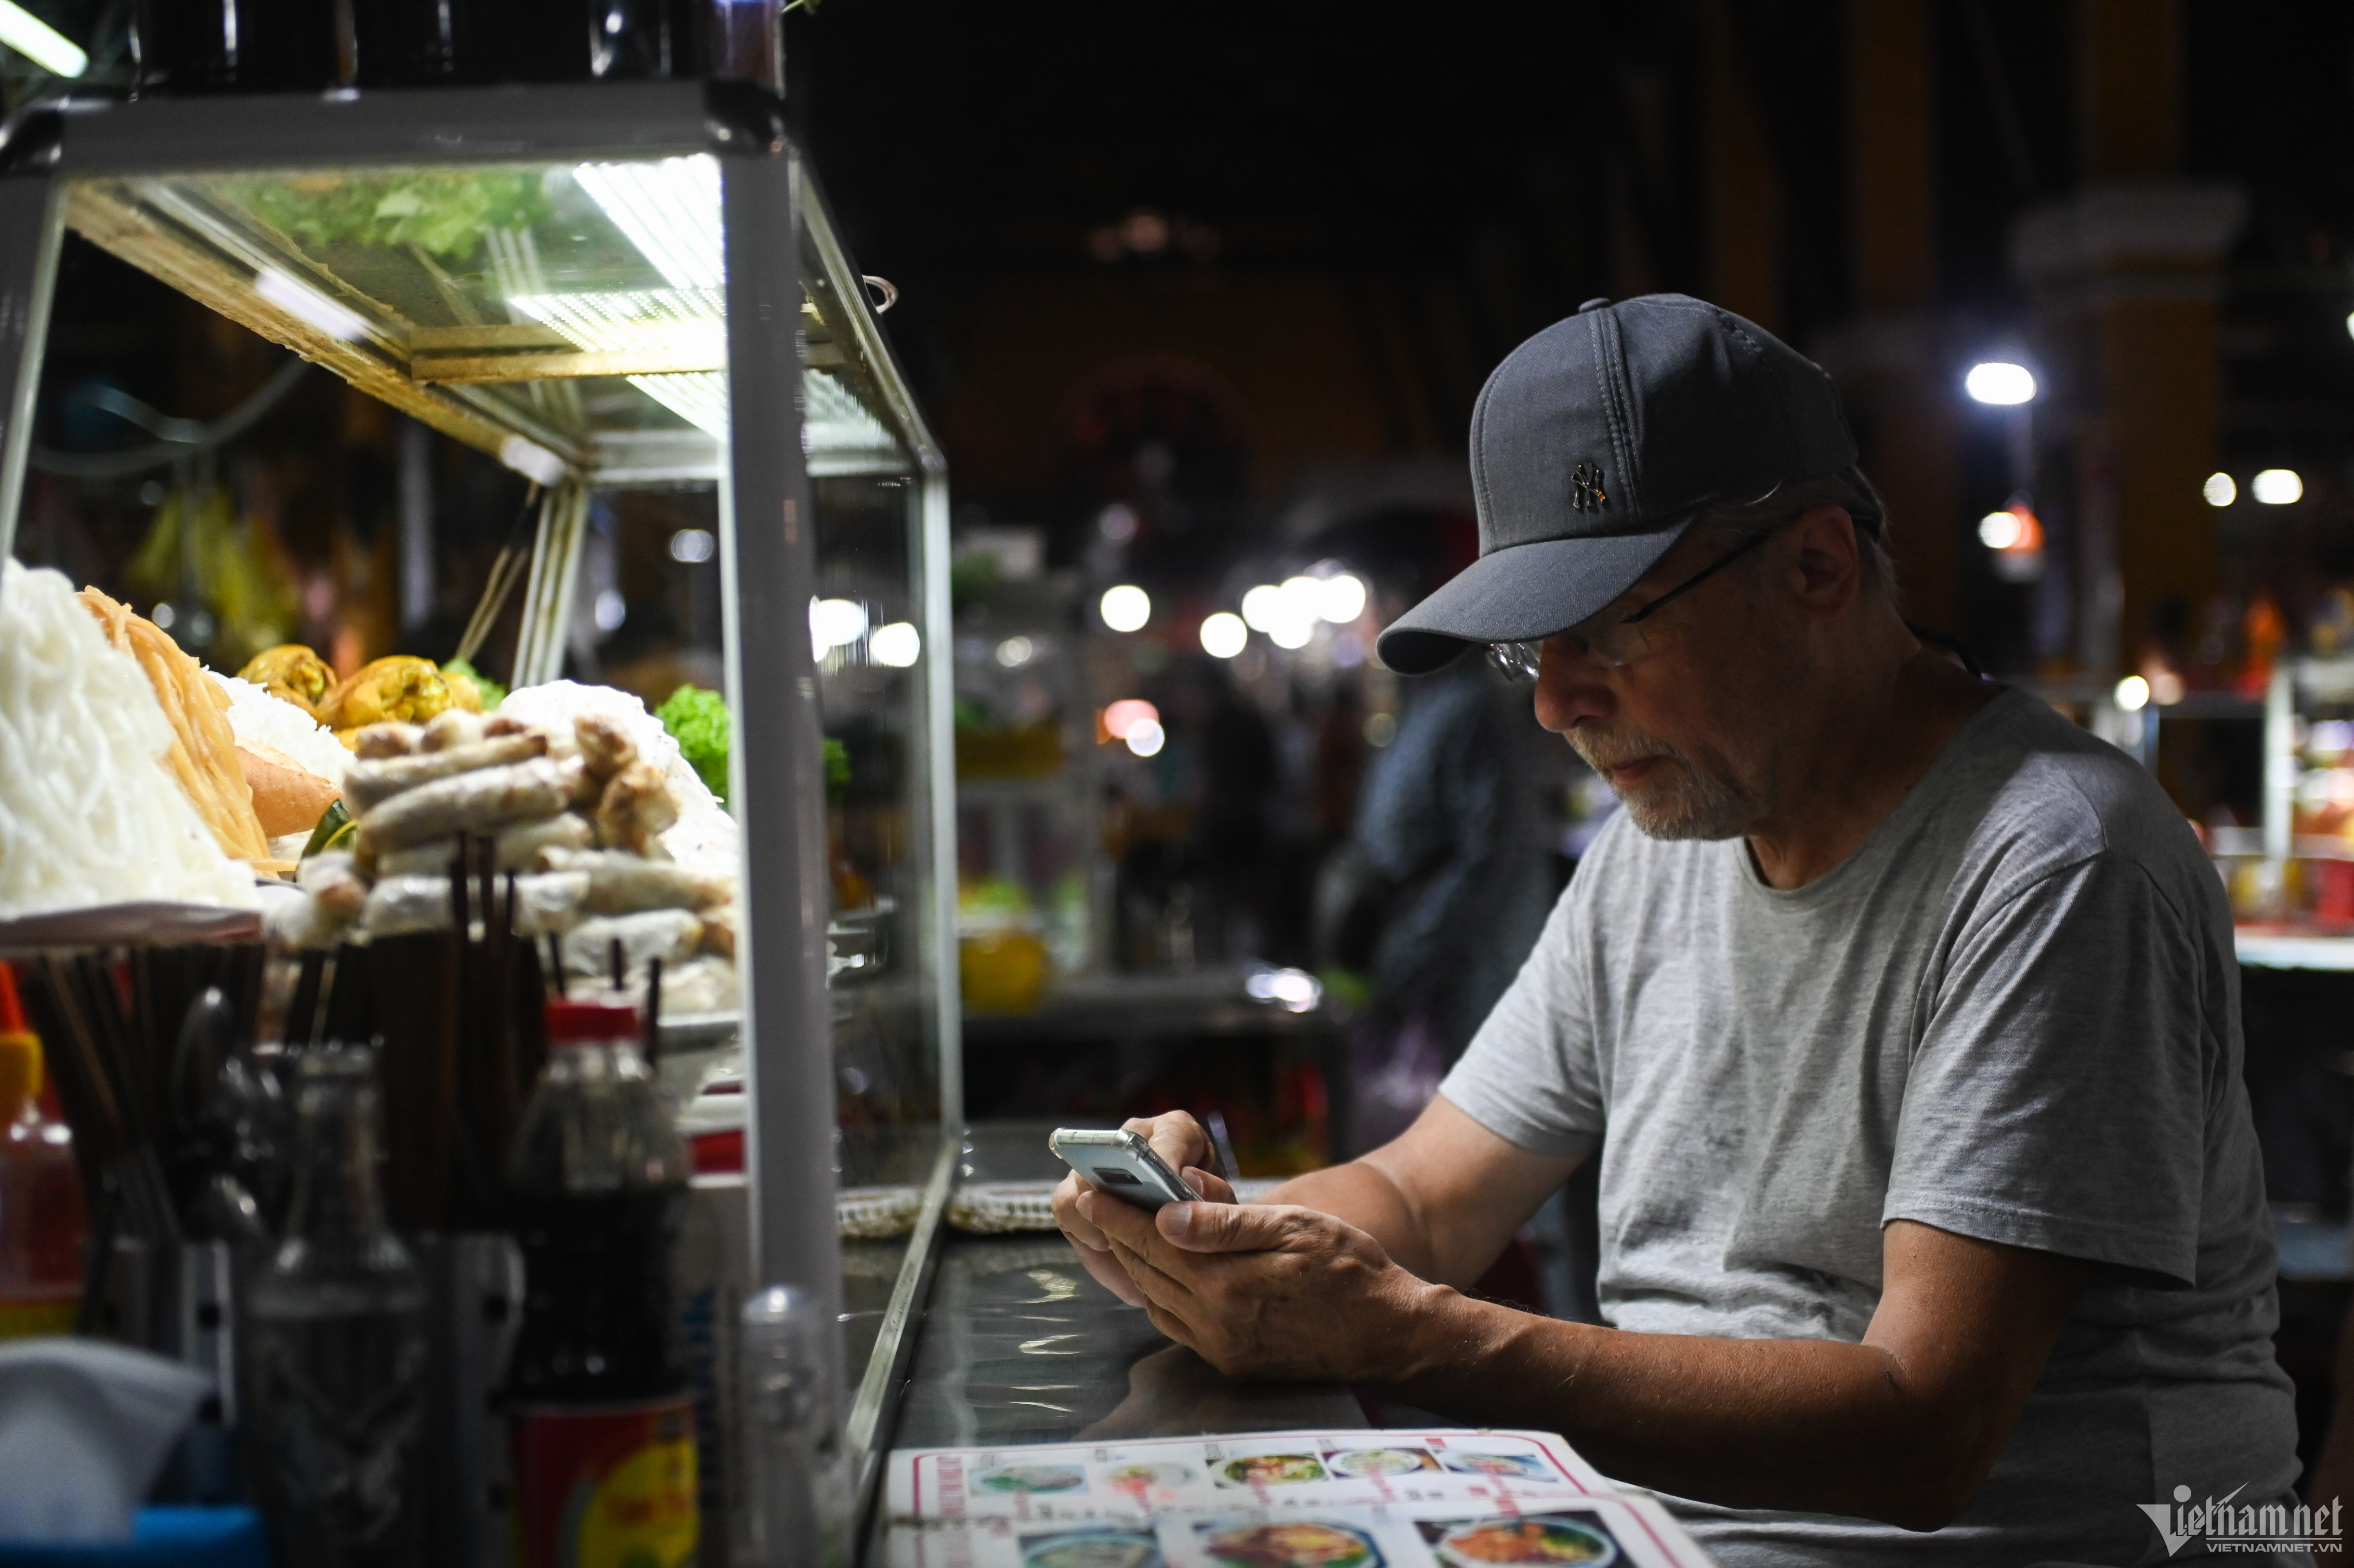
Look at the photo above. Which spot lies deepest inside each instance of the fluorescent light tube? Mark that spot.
(38, 42)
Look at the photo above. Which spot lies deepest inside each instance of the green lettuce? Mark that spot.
(698, 720)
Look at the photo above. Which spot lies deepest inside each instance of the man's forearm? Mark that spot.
(1809, 1424)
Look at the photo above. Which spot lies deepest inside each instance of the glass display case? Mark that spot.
(619, 288)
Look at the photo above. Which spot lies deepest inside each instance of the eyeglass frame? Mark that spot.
(1519, 660)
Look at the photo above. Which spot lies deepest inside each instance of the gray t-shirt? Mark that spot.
(2013, 1013)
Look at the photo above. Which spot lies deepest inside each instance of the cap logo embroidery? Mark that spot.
(1586, 491)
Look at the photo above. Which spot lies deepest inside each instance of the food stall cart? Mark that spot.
(660, 300)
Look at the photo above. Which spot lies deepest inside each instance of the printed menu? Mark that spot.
(1283, 1499)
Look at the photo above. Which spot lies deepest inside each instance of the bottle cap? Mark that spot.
(20, 1073)
(573, 1023)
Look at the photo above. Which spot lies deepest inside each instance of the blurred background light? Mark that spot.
(1127, 713)
(1126, 607)
(897, 645)
(1016, 651)
(2133, 694)
(1999, 530)
(2277, 487)
(693, 546)
(1223, 635)
(1145, 738)
(2218, 490)
(1263, 607)
(1999, 381)
(836, 623)
(1342, 598)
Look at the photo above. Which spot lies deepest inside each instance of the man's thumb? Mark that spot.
(1221, 1227)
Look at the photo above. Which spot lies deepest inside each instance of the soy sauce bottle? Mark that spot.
(602, 1416)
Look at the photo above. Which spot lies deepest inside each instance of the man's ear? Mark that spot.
(1830, 559)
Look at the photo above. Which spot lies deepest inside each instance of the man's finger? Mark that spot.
(1071, 1216)
(1227, 1227)
(1173, 1326)
(1175, 1136)
(1103, 1268)
(1209, 1184)
(1157, 1283)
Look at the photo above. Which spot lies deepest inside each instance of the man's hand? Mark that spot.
(1272, 1291)
(1178, 1138)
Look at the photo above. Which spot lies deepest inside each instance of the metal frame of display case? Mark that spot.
(54, 169)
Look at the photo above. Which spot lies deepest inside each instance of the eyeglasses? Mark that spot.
(1623, 641)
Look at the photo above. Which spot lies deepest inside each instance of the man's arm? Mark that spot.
(1442, 1198)
(1902, 1427)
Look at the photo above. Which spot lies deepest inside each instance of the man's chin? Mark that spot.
(1673, 809)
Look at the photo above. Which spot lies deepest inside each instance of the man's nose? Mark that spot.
(1570, 687)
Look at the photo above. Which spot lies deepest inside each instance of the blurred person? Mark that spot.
(1933, 1218)
(1438, 893)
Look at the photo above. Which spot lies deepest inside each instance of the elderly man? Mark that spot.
(1904, 1013)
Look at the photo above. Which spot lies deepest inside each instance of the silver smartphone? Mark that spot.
(1123, 1164)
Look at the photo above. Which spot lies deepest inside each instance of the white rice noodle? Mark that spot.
(704, 835)
(271, 721)
(89, 812)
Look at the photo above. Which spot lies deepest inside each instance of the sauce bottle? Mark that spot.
(43, 1226)
(603, 1418)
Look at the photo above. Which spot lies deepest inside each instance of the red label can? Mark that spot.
(605, 1486)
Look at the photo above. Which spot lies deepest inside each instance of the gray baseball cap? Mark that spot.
(1596, 444)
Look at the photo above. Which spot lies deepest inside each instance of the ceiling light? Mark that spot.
(669, 210)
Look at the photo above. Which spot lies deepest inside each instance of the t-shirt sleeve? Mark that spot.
(2058, 1097)
(1529, 1075)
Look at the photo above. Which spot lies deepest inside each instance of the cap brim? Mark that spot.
(1520, 593)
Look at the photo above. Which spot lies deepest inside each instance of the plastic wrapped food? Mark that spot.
(369, 782)
(670, 934)
(481, 801)
(536, 846)
(623, 884)
(635, 807)
(391, 739)
(452, 728)
(548, 901)
(399, 904)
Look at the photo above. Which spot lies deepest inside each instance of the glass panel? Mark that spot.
(579, 305)
(878, 838)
